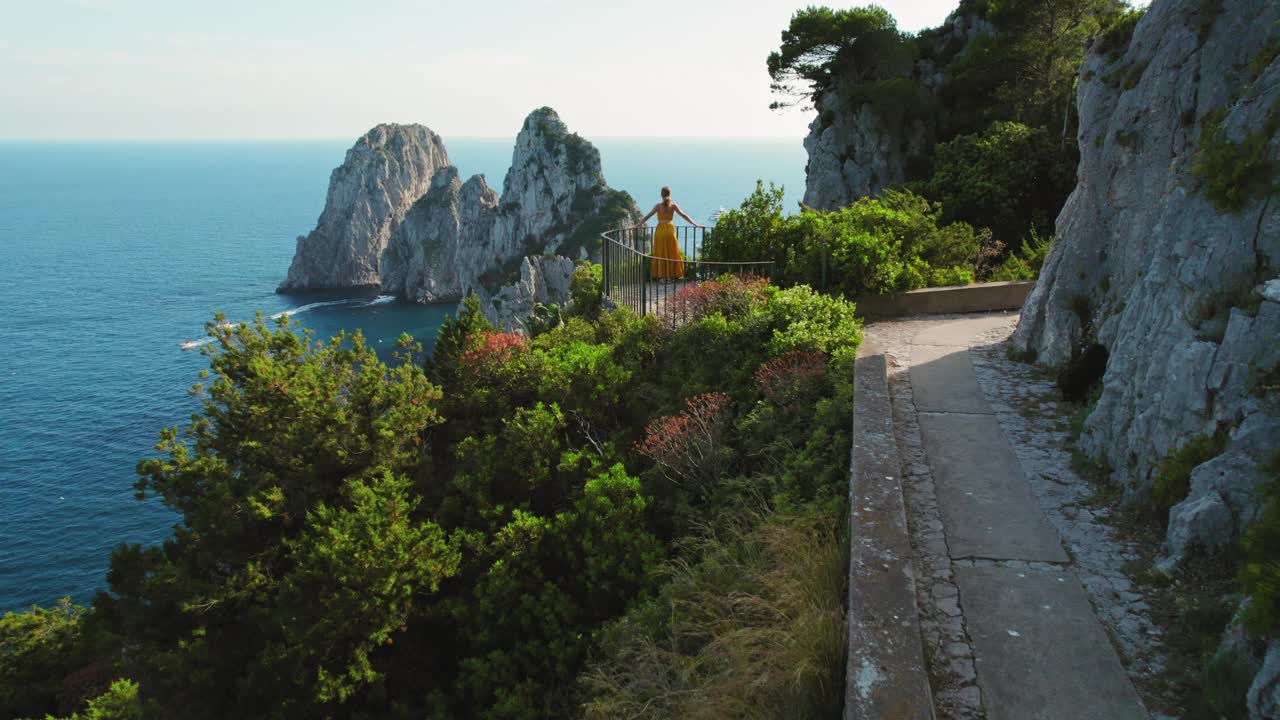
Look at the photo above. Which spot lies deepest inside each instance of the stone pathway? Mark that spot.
(1015, 625)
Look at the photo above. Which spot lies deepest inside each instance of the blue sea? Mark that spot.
(112, 254)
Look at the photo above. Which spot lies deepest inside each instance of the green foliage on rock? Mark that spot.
(614, 209)
(1117, 31)
(1260, 573)
(879, 245)
(585, 290)
(985, 122)
(1237, 174)
(1172, 480)
(1225, 682)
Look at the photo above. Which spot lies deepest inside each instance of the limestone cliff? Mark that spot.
(386, 170)
(1152, 262)
(543, 279)
(852, 152)
(443, 244)
(460, 236)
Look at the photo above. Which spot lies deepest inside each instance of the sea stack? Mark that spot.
(387, 169)
(461, 237)
(400, 218)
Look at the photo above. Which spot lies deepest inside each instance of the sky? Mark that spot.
(313, 69)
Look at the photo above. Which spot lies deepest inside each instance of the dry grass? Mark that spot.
(754, 629)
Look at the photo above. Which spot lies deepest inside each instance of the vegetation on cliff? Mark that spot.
(892, 243)
(452, 538)
(985, 115)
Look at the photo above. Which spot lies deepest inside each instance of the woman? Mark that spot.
(668, 263)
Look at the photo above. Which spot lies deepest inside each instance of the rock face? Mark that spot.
(461, 236)
(852, 153)
(543, 279)
(1147, 265)
(386, 170)
(444, 243)
(1264, 693)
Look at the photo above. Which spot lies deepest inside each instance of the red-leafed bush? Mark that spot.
(729, 294)
(687, 447)
(792, 376)
(493, 348)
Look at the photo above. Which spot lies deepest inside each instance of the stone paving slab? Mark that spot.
(885, 674)
(1040, 652)
(959, 332)
(988, 508)
(943, 381)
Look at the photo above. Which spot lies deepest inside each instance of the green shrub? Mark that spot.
(1225, 682)
(1173, 475)
(1004, 178)
(1263, 59)
(950, 276)
(1134, 75)
(37, 649)
(1260, 574)
(119, 702)
(877, 245)
(1024, 264)
(1118, 32)
(1236, 174)
(753, 232)
(585, 289)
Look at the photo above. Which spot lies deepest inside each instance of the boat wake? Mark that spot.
(292, 312)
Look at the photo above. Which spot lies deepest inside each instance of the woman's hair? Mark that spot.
(666, 195)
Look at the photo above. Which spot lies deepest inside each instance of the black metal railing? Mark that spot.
(647, 283)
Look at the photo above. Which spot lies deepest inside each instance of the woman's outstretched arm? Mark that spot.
(681, 214)
(645, 219)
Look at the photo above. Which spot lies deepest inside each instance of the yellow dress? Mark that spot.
(668, 263)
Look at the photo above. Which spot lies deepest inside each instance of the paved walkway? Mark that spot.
(1038, 650)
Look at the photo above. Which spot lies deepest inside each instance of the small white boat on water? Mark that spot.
(189, 344)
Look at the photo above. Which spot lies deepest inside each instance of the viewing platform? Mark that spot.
(652, 285)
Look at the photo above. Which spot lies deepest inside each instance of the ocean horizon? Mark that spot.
(118, 251)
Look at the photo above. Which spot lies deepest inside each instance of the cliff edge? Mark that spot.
(1166, 256)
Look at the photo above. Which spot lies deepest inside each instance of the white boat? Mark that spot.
(189, 345)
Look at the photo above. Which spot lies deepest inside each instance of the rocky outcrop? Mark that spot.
(1148, 263)
(461, 236)
(544, 279)
(853, 153)
(444, 242)
(1264, 694)
(384, 173)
